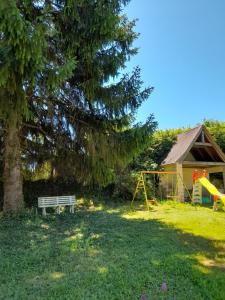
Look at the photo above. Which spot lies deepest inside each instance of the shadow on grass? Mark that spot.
(102, 255)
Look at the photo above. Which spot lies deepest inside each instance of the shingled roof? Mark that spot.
(184, 143)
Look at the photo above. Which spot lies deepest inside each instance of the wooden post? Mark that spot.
(180, 186)
(224, 179)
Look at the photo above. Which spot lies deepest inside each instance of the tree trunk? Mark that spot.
(13, 182)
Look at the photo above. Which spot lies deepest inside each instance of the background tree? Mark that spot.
(162, 141)
(159, 145)
(58, 102)
(217, 130)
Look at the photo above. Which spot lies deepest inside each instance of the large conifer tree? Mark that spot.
(57, 97)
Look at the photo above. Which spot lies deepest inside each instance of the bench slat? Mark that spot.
(53, 198)
(56, 201)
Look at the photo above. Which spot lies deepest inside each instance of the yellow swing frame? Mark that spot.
(141, 185)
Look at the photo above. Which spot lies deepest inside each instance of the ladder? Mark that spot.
(197, 192)
(141, 186)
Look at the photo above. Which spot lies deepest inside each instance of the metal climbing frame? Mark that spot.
(141, 184)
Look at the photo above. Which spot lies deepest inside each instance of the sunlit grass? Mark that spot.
(197, 220)
(113, 252)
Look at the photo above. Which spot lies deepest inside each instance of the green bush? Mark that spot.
(34, 189)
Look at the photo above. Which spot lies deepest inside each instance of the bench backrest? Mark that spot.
(56, 201)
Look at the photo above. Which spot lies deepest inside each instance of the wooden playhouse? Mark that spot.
(194, 149)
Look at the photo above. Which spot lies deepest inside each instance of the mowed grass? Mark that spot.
(110, 252)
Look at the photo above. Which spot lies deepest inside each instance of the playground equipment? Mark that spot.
(164, 185)
(198, 183)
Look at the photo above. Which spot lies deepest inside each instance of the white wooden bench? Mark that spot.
(56, 201)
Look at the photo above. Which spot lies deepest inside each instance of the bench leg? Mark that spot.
(44, 211)
(58, 209)
(72, 209)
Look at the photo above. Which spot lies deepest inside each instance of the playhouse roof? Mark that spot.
(197, 141)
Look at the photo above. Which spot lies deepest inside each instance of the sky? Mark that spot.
(182, 55)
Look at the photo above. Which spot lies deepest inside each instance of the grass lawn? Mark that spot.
(109, 252)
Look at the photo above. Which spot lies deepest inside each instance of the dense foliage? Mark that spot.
(217, 130)
(151, 158)
(162, 141)
(58, 100)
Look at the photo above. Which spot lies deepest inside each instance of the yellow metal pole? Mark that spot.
(185, 186)
(136, 190)
(145, 192)
(141, 185)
